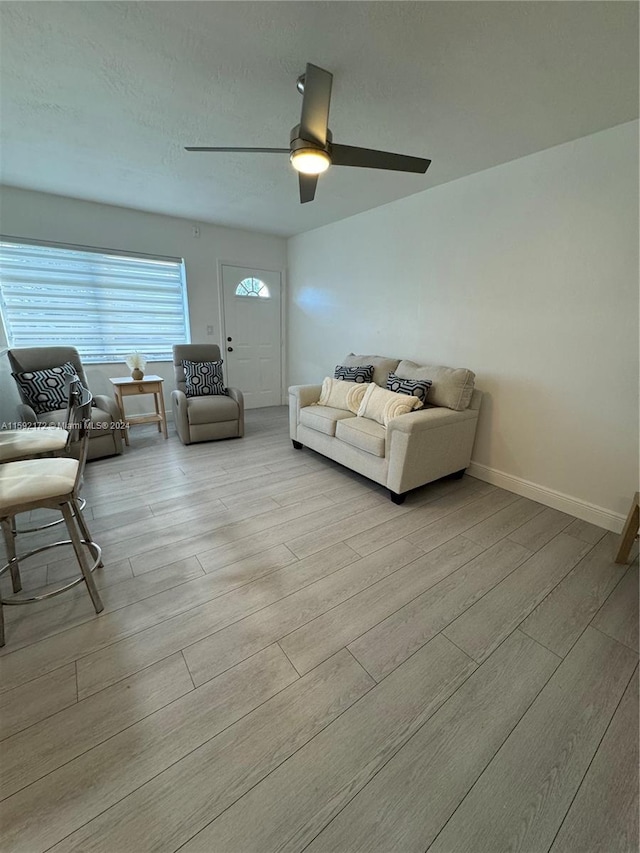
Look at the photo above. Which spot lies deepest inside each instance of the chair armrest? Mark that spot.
(180, 419)
(236, 394)
(26, 415)
(426, 419)
(108, 405)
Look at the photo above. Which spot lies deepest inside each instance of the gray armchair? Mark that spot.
(105, 437)
(204, 418)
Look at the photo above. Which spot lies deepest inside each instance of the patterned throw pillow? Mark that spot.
(354, 374)
(203, 378)
(46, 390)
(415, 387)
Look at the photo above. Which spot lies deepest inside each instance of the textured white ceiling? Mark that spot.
(99, 98)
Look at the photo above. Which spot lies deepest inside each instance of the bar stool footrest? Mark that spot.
(93, 548)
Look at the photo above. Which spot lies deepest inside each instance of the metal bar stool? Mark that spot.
(52, 483)
(38, 441)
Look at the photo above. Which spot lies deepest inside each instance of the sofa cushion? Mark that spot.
(415, 387)
(452, 386)
(46, 390)
(382, 366)
(354, 374)
(209, 410)
(364, 434)
(381, 405)
(340, 394)
(323, 418)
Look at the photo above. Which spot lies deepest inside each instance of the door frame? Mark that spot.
(283, 318)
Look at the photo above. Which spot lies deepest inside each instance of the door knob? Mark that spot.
(229, 349)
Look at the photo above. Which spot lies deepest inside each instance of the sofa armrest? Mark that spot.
(426, 445)
(108, 405)
(426, 419)
(236, 394)
(305, 395)
(299, 397)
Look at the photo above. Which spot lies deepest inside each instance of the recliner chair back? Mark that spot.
(104, 441)
(28, 359)
(191, 352)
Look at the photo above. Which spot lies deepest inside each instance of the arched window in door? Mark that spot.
(252, 287)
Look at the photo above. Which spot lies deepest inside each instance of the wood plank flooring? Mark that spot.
(287, 661)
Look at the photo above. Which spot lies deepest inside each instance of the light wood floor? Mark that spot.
(288, 661)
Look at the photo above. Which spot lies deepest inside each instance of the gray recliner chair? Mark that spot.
(204, 418)
(103, 440)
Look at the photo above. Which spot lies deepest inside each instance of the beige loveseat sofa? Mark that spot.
(414, 448)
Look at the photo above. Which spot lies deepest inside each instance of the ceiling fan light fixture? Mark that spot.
(310, 161)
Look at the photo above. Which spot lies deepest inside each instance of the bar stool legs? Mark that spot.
(76, 541)
(9, 533)
(79, 538)
(77, 507)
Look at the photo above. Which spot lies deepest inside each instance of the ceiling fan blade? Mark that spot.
(314, 117)
(249, 150)
(368, 158)
(308, 185)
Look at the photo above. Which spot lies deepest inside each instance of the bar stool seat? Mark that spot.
(34, 443)
(18, 444)
(35, 480)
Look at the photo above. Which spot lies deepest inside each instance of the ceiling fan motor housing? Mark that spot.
(297, 142)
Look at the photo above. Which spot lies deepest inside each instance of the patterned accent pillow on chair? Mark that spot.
(203, 378)
(46, 390)
(414, 387)
(354, 374)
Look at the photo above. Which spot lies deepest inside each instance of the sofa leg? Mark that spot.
(458, 474)
(296, 444)
(396, 498)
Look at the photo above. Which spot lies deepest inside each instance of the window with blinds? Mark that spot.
(105, 304)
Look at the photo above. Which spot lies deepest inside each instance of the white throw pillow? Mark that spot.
(340, 394)
(381, 405)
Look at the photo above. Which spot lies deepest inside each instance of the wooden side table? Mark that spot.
(125, 386)
(630, 530)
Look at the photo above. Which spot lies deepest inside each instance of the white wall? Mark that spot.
(526, 273)
(48, 217)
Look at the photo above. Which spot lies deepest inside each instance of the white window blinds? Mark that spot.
(105, 304)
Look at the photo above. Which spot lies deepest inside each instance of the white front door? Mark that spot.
(253, 334)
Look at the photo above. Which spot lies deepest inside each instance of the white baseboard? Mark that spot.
(597, 515)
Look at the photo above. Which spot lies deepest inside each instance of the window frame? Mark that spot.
(119, 254)
(254, 293)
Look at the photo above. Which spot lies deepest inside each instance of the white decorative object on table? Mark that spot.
(136, 362)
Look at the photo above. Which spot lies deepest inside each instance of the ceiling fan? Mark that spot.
(312, 150)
